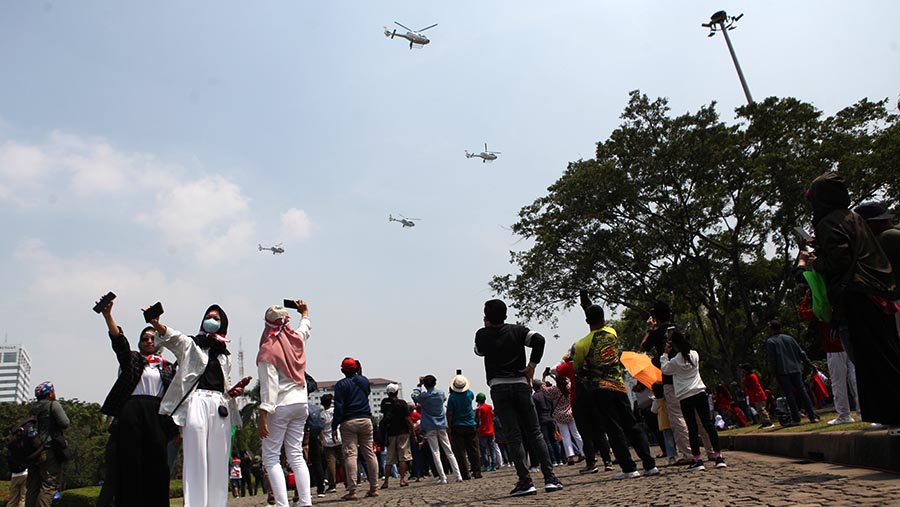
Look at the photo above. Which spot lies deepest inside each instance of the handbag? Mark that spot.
(60, 447)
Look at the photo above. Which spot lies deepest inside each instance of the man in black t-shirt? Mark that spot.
(503, 348)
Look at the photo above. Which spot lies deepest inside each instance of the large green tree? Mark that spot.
(697, 212)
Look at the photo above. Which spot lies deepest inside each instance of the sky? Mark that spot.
(149, 148)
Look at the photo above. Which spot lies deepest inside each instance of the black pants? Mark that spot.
(699, 404)
(141, 454)
(651, 421)
(464, 440)
(316, 462)
(515, 408)
(110, 476)
(875, 350)
(621, 428)
(593, 434)
(246, 481)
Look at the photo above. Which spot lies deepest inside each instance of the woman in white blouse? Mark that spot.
(283, 399)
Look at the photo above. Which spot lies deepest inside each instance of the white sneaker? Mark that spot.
(627, 475)
(844, 419)
(441, 481)
(652, 471)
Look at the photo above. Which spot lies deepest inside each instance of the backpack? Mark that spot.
(26, 445)
(314, 420)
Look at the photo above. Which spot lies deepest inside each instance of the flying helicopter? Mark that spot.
(274, 249)
(414, 37)
(405, 222)
(485, 156)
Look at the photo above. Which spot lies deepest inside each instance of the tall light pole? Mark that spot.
(721, 22)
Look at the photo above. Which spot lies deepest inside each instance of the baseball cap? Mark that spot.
(348, 365)
(872, 211)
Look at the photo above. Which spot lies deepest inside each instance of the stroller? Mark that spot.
(782, 411)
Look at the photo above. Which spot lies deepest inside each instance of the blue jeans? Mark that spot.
(515, 408)
(486, 445)
(548, 429)
(792, 386)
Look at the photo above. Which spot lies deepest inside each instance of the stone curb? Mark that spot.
(871, 449)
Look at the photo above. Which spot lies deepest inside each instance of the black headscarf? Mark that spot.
(213, 378)
(828, 193)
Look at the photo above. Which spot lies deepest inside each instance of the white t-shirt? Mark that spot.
(151, 383)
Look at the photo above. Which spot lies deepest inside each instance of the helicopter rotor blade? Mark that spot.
(402, 26)
(427, 27)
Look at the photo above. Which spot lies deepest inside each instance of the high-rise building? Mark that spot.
(377, 384)
(15, 374)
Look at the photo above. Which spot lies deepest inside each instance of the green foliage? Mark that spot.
(87, 497)
(247, 437)
(698, 213)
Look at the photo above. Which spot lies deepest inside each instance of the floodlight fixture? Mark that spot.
(721, 22)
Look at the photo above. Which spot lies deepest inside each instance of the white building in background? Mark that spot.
(379, 392)
(15, 374)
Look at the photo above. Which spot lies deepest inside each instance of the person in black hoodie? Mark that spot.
(859, 282)
(200, 401)
(139, 474)
(509, 375)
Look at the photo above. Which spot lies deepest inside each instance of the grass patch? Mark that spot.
(805, 427)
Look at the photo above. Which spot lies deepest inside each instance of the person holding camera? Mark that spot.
(283, 399)
(139, 473)
(43, 476)
(434, 425)
(202, 404)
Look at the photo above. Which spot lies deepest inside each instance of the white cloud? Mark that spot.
(21, 163)
(208, 215)
(190, 213)
(295, 224)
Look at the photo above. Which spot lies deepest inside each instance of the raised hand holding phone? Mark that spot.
(104, 302)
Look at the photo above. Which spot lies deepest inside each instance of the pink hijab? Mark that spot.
(283, 347)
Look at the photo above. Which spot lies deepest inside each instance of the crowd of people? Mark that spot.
(579, 411)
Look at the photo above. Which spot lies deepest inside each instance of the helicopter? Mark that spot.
(274, 249)
(485, 156)
(405, 222)
(414, 37)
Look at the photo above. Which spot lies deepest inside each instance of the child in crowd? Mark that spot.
(662, 414)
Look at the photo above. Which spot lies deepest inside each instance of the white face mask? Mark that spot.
(211, 325)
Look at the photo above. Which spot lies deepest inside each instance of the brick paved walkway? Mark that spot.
(750, 480)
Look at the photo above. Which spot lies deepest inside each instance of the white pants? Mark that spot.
(286, 427)
(569, 432)
(842, 372)
(498, 456)
(207, 437)
(440, 436)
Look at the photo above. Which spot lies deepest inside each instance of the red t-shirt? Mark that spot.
(485, 415)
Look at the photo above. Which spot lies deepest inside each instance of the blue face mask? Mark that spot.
(211, 325)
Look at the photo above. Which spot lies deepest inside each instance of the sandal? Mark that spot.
(403, 484)
(349, 496)
(371, 493)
